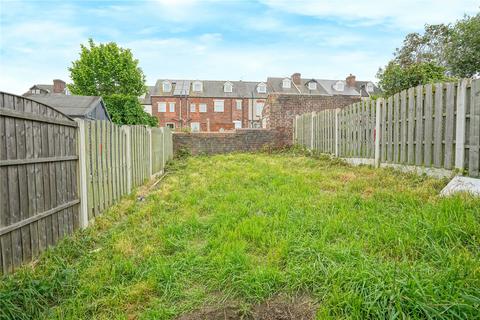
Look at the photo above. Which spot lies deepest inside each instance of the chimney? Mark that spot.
(296, 78)
(58, 86)
(351, 80)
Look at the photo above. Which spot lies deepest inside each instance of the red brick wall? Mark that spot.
(182, 117)
(281, 109)
(224, 142)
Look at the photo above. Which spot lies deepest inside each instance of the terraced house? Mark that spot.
(205, 105)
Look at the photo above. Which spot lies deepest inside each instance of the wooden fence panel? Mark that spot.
(37, 158)
(474, 139)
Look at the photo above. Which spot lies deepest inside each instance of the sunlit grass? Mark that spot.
(362, 243)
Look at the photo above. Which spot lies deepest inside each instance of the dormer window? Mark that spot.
(167, 86)
(262, 88)
(369, 87)
(197, 86)
(227, 87)
(339, 86)
(286, 83)
(312, 85)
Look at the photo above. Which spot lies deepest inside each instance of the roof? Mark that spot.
(324, 87)
(74, 106)
(362, 85)
(145, 99)
(211, 89)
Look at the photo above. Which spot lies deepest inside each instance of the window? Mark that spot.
(171, 106)
(162, 107)
(259, 108)
(202, 107)
(262, 88)
(339, 86)
(192, 107)
(237, 124)
(312, 85)
(167, 86)
(218, 106)
(227, 87)
(197, 86)
(369, 87)
(195, 126)
(239, 104)
(170, 125)
(286, 84)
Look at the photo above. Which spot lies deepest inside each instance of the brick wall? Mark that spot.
(225, 142)
(281, 109)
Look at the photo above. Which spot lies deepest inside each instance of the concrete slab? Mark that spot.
(462, 184)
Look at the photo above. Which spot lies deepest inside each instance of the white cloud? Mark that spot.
(406, 14)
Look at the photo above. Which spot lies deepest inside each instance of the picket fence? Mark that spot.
(428, 126)
(57, 174)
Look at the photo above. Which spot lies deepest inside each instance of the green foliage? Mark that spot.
(395, 78)
(125, 109)
(363, 243)
(106, 69)
(463, 49)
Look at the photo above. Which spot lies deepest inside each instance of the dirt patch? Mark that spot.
(283, 308)
(277, 308)
(214, 313)
(347, 177)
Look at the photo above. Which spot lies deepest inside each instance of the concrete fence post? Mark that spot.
(150, 163)
(163, 149)
(295, 130)
(337, 132)
(460, 125)
(312, 135)
(128, 150)
(82, 176)
(378, 117)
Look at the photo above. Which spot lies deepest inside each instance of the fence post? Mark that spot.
(128, 151)
(337, 132)
(163, 149)
(82, 176)
(150, 166)
(460, 125)
(378, 117)
(295, 129)
(312, 131)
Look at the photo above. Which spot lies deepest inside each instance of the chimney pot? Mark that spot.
(59, 86)
(350, 80)
(297, 78)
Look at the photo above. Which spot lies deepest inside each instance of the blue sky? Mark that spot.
(212, 39)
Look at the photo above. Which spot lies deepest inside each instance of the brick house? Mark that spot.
(295, 95)
(58, 87)
(205, 105)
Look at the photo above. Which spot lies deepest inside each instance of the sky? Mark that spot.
(213, 39)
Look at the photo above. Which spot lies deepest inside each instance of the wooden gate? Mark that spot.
(39, 202)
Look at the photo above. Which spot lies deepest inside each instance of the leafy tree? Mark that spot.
(395, 78)
(110, 71)
(127, 110)
(463, 49)
(106, 69)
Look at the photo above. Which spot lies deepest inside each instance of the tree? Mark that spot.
(463, 49)
(395, 78)
(111, 72)
(106, 69)
(127, 110)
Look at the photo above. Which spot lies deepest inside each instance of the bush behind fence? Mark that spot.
(430, 126)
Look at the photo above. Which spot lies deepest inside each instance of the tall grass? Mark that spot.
(241, 228)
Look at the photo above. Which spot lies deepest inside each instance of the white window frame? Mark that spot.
(312, 85)
(262, 88)
(370, 87)
(197, 123)
(229, 86)
(286, 84)
(162, 106)
(194, 86)
(239, 104)
(171, 106)
(166, 86)
(217, 107)
(202, 107)
(339, 86)
(193, 107)
(172, 123)
(237, 124)
(259, 107)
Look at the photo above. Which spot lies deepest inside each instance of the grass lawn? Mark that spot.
(265, 236)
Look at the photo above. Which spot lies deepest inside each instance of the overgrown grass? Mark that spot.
(362, 243)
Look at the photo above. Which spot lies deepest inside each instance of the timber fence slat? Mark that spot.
(433, 125)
